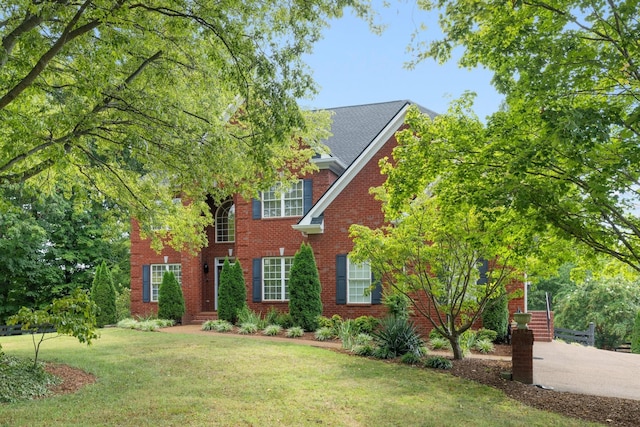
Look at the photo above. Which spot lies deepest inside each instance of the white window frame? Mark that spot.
(157, 271)
(226, 224)
(278, 279)
(278, 202)
(358, 280)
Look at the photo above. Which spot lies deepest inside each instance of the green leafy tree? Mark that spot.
(170, 299)
(564, 150)
(73, 315)
(554, 286)
(610, 303)
(232, 293)
(432, 254)
(635, 335)
(134, 99)
(103, 293)
(305, 304)
(65, 236)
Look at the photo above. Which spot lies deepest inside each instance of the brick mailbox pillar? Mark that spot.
(522, 355)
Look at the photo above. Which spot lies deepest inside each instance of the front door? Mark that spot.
(209, 290)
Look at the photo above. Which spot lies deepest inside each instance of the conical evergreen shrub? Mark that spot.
(239, 290)
(103, 294)
(305, 305)
(170, 299)
(232, 293)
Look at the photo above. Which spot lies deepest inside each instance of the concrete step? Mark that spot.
(203, 316)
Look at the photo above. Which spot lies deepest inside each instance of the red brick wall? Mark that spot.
(264, 238)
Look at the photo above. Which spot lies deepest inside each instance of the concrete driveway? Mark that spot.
(586, 370)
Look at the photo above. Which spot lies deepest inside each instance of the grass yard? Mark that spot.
(159, 379)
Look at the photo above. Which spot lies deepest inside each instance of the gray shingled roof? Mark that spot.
(355, 127)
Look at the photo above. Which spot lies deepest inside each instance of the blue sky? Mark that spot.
(353, 66)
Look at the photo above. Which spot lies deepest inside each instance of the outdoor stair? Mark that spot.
(203, 316)
(538, 324)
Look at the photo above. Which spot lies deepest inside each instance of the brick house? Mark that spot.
(265, 234)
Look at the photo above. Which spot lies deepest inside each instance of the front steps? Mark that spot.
(542, 331)
(203, 316)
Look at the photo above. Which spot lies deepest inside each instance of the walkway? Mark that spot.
(586, 370)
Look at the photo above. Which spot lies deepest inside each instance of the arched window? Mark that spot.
(226, 222)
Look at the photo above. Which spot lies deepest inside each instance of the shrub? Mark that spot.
(484, 346)
(467, 341)
(123, 304)
(103, 293)
(366, 324)
(170, 299)
(324, 334)
(246, 315)
(485, 334)
(305, 304)
(334, 323)
(397, 336)
(271, 316)
(438, 362)
(439, 343)
(294, 332)
(248, 328)
(272, 330)
(362, 339)
(285, 320)
(496, 315)
(398, 304)
(217, 325)
(635, 335)
(364, 350)
(410, 359)
(232, 292)
(347, 333)
(434, 334)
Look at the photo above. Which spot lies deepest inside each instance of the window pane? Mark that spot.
(225, 222)
(271, 203)
(293, 200)
(275, 278)
(272, 279)
(358, 289)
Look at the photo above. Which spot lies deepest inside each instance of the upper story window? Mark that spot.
(283, 202)
(226, 222)
(157, 271)
(358, 283)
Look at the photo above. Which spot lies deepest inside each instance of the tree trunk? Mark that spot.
(458, 354)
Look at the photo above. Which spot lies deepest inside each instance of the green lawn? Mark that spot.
(160, 379)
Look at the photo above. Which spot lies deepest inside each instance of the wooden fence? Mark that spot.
(587, 337)
(9, 330)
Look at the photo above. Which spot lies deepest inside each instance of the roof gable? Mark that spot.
(358, 134)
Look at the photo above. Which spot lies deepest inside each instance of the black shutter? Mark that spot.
(256, 275)
(146, 283)
(341, 279)
(376, 292)
(483, 269)
(307, 191)
(256, 209)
